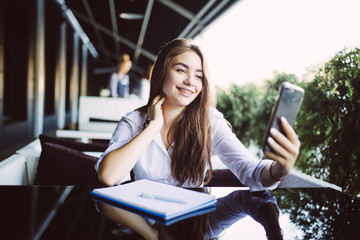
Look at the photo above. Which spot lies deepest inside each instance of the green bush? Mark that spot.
(329, 129)
(328, 122)
(248, 107)
(240, 106)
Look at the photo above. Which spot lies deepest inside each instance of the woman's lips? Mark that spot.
(185, 90)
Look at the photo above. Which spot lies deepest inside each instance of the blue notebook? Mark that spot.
(162, 202)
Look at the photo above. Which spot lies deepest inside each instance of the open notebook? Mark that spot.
(162, 202)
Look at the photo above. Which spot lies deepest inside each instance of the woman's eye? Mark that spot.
(181, 70)
(198, 76)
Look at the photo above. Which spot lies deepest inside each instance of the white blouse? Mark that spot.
(155, 162)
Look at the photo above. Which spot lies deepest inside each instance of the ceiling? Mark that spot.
(163, 20)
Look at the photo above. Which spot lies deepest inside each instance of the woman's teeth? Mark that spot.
(185, 91)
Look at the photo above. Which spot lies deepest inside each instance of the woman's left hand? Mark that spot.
(286, 149)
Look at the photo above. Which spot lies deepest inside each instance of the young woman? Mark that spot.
(119, 81)
(173, 137)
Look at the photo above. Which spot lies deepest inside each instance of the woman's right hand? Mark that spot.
(118, 163)
(155, 111)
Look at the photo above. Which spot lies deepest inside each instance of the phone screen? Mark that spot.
(287, 105)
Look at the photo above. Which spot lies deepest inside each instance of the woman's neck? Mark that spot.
(121, 74)
(170, 114)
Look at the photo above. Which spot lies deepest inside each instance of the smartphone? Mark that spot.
(287, 105)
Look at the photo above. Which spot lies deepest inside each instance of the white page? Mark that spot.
(130, 194)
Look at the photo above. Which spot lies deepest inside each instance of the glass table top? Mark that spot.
(60, 212)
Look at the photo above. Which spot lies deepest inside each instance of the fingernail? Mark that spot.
(270, 140)
(273, 131)
(283, 120)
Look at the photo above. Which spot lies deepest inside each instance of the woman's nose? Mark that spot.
(190, 80)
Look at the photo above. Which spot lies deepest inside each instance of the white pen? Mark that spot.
(163, 198)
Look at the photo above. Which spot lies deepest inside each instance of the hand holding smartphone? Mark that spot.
(287, 105)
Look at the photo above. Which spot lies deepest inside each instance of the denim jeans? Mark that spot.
(235, 206)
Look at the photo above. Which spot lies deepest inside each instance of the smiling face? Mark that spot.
(183, 79)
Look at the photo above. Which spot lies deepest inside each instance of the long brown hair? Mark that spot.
(191, 130)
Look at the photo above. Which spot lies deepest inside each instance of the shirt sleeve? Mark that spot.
(235, 155)
(126, 130)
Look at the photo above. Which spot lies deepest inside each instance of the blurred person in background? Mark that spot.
(119, 83)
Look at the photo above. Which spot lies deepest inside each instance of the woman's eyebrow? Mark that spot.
(186, 66)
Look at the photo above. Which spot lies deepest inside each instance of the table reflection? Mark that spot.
(322, 213)
(53, 212)
(57, 213)
(261, 206)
